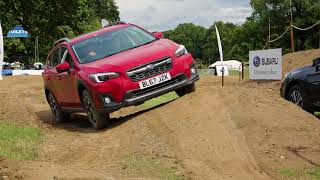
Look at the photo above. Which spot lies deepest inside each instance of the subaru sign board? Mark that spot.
(18, 32)
(265, 64)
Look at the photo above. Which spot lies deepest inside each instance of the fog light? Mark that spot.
(193, 70)
(107, 100)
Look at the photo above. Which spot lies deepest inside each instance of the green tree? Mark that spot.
(51, 20)
(305, 14)
(191, 36)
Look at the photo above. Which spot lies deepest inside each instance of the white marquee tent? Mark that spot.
(232, 64)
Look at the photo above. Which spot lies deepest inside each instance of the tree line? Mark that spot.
(253, 34)
(53, 19)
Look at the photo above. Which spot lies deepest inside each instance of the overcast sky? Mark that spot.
(159, 15)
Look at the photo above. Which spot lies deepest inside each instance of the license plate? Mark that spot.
(154, 81)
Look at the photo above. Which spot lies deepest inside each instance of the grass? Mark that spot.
(159, 100)
(231, 73)
(19, 142)
(307, 173)
(147, 166)
(317, 114)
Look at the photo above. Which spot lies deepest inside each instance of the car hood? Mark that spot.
(301, 69)
(124, 61)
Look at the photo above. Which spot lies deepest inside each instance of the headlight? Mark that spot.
(181, 51)
(102, 77)
(287, 74)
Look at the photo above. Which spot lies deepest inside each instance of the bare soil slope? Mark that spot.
(241, 131)
(299, 59)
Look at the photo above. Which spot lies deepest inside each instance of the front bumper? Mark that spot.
(139, 96)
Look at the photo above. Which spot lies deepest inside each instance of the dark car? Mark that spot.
(302, 87)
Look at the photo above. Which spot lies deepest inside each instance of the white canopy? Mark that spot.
(38, 65)
(232, 64)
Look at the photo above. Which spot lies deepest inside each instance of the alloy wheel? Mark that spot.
(54, 107)
(296, 98)
(89, 110)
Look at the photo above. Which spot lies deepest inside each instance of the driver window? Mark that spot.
(67, 57)
(316, 63)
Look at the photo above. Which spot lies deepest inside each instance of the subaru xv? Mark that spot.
(117, 66)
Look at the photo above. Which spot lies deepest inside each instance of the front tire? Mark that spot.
(186, 90)
(58, 115)
(297, 96)
(98, 121)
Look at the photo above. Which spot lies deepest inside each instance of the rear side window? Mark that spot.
(66, 57)
(49, 60)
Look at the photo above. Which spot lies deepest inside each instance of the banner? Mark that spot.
(18, 32)
(1, 51)
(219, 44)
(27, 72)
(265, 64)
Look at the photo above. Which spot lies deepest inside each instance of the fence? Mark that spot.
(206, 72)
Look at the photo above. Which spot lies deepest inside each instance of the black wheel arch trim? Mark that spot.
(292, 83)
(82, 84)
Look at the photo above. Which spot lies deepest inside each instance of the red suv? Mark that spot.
(117, 66)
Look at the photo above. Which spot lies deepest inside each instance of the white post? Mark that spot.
(1, 51)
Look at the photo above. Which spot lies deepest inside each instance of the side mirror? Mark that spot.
(316, 63)
(63, 67)
(158, 35)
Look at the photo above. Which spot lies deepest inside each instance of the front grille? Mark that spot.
(150, 70)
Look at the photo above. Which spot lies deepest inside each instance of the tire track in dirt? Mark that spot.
(239, 131)
(73, 150)
(272, 126)
(199, 131)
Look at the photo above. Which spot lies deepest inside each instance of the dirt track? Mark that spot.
(241, 131)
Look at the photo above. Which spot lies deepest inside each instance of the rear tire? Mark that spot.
(297, 96)
(58, 115)
(98, 121)
(186, 90)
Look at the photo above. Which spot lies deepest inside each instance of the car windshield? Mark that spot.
(110, 43)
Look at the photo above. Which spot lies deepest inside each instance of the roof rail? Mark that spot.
(61, 40)
(115, 23)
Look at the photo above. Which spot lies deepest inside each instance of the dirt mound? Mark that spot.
(241, 131)
(295, 60)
